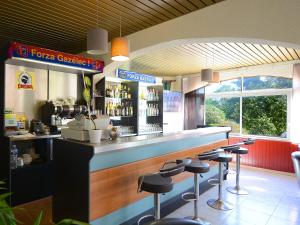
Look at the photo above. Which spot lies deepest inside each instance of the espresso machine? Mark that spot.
(56, 116)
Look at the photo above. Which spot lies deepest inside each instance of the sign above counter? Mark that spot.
(133, 76)
(51, 57)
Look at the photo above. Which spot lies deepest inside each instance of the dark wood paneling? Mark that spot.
(77, 17)
(194, 109)
(27, 213)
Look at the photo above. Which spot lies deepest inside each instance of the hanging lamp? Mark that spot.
(120, 47)
(97, 39)
(208, 75)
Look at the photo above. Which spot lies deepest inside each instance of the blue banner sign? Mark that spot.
(129, 75)
(29, 52)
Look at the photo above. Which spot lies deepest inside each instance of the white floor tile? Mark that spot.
(274, 199)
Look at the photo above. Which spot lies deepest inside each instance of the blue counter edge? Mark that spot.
(121, 157)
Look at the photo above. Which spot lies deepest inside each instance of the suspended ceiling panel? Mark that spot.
(193, 57)
(62, 24)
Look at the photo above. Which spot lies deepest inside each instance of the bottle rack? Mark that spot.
(120, 101)
(151, 110)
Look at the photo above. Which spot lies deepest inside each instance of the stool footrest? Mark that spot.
(213, 182)
(188, 197)
(144, 217)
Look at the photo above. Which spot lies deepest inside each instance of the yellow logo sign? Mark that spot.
(25, 80)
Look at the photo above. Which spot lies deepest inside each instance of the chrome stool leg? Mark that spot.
(189, 196)
(220, 204)
(156, 215)
(197, 195)
(156, 206)
(237, 189)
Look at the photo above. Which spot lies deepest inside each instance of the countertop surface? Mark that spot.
(130, 142)
(29, 136)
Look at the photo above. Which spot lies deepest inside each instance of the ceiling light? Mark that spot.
(97, 39)
(209, 76)
(120, 48)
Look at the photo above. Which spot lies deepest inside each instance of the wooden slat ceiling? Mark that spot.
(193, 57)
(62, 24)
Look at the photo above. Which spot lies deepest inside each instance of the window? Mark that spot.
(265, 115)
(225, 86)
(258, 107)
(266, 82)
(223, 112)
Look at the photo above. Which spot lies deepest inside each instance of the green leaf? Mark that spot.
(5, 195)
(38, 219)
(71, 222)
(87, 81)
(86, 94)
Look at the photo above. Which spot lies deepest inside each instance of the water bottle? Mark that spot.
(14, 157)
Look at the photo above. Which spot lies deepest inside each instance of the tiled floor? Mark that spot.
(274, 199)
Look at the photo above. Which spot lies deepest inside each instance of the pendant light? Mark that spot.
(120, 47)
(97, 39)
(208, 75)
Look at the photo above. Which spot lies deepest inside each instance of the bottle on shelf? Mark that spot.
(123, 111)
(125, 92)
(14, 157)
(156, 95)
(152, 110)
(126, 110)
(130, 110)
(108, 91)
(117, 92)
(129, 93)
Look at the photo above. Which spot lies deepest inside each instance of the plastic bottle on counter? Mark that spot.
(14, 157)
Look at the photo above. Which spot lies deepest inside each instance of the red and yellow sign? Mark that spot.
(25, 80)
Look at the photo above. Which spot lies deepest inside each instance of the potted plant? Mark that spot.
(7, 216)
(94, 134)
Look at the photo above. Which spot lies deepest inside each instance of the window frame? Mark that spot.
(255, 93)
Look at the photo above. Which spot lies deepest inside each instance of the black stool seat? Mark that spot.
(249, 141)
(155, 183)
(174, 221)
(230, 148)
(210, 155)
(223, 158)
(240, 151)
(196, 166)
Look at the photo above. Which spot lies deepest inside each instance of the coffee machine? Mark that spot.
(57, 116)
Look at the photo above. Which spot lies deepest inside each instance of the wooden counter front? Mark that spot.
(116, 187)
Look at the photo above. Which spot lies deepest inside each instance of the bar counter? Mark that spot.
(97, 183)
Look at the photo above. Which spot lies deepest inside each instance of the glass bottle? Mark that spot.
(129, 93)
(130, 110)
(14, 157)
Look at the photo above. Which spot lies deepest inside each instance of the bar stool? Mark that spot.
(196, 167)
(237, 189)
(238, 150)
(159, 183)
(220, 157)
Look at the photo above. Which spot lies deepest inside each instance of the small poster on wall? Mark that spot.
(25, 80)
(172, 101)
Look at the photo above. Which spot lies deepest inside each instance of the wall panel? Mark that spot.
(269, 154)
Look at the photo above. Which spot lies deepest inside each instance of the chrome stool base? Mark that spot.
(199, 220)
(219, 204)
(237, 191)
